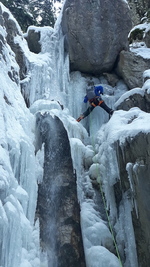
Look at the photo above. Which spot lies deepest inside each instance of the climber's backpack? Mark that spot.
(92, 92)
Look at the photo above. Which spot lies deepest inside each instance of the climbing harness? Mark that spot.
(95, 105)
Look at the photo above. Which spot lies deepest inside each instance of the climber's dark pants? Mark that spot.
(106, 108)
(102, 105)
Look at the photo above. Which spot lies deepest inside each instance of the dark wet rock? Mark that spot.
(33, 40)
(58, 207)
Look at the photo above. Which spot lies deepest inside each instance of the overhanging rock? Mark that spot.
(95, 32)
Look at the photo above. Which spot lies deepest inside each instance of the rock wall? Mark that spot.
(136, 100)
(138, 9)
(136, 152)
(95, 32)
(58, 207)
(136, 180)
(13, 30)
(131, 67)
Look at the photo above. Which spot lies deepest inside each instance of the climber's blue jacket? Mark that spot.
(92, 92)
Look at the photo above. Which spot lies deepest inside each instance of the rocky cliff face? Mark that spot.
(131, 64)
(136, 100)
(136, 153)
(131, 67)
(138, 9)
(58, 207)
(14, 30)
(95, 32)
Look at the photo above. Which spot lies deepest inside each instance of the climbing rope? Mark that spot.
(105, 208)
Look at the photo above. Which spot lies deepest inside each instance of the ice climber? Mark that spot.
(94, 99)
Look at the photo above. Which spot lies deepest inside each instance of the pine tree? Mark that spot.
(47, 14)
(31, 12)
(42, 11)
(19, 9)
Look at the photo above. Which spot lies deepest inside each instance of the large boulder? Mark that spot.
(33, 39)
(95, 32)
(136, 100)
(131, 67)
(137, 97)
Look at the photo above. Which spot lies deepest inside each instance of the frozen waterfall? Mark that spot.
(55, 95)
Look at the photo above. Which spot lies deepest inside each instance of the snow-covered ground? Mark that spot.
(91, 142)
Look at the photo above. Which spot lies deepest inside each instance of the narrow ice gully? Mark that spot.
(91, 141)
